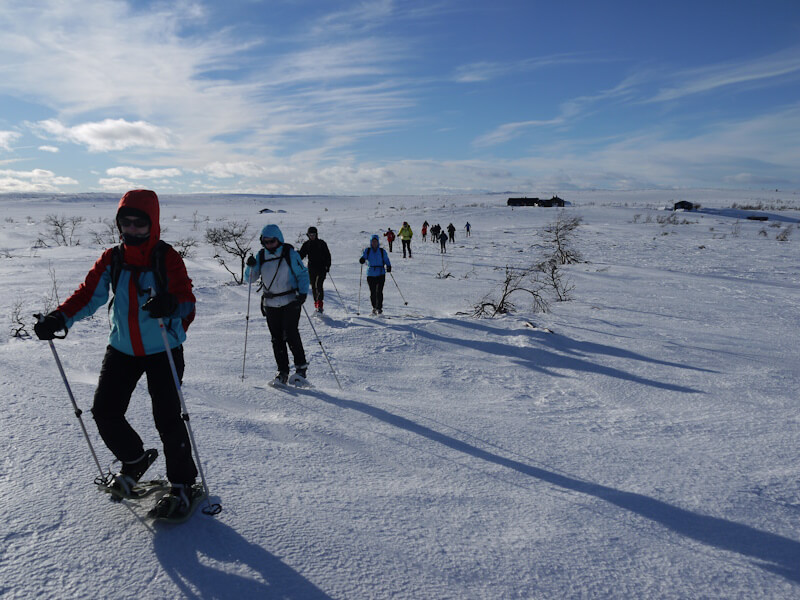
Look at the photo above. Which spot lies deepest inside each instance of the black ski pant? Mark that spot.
(452, 237)
(443, 249)
(406, 244)
(317, 279)
(283, 323)
(376, 290)
(118, 378)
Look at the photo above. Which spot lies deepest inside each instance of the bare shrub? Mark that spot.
(560, 235)
(234, 239)
(51, 300)
(18, 324)
(783, 236)
(107, 235)
(515, 280)
(186, 247)
(63, 229)
(555, 280)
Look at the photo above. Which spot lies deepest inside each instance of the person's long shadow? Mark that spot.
(546, 361)
(775, 553)
(179, 548)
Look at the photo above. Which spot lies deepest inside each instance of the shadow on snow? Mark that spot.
(773, 552)
(180, 548)
(546, 361)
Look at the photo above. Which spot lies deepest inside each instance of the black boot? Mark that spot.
(131, 472)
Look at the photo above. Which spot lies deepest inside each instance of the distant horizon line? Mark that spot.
(117, 195)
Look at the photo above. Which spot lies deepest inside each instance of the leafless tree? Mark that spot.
(107, 235)
(560, 236)
(234, 239)
(18, 324)
(516, 280)
(51, 301)
(555, 279)
(63, 229)
(186, 247)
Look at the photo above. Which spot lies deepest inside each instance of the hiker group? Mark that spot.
(152, 308)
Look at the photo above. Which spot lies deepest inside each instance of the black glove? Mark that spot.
(389, 268)
(251, 261)
(161, 306)
(301, 299)
(362, 260)
(46, 328)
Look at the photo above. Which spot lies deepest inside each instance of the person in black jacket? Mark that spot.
(319, 263)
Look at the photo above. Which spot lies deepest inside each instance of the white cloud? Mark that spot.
(7, 138)
(116, 184)
(481, 71)
(761, 71)
(136, 173)
(51, 149)
(36, 180)
(509, 131)
(107, 135)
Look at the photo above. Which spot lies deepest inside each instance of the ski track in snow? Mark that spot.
(637, 441)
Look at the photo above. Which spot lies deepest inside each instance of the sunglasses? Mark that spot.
(137, 222)
(269, 241)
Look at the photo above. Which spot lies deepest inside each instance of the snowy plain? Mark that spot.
(637, 441)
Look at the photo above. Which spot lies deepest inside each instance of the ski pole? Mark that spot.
(398, 289)
(360, 278)
(246, 325)
(337, 291)
(211, 509)
(78, 411)
(323, 347)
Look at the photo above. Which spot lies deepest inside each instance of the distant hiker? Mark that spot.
(284, 281)
(451, 230)
(405, 234)
(379, 265)
(442, 243)
(153, 285)
(319, 263)
(435, 230)
(468, 227)
(389, 237)
(425, 231)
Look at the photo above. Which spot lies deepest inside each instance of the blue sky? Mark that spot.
(398, 97)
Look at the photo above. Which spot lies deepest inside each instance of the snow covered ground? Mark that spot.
(640, 440)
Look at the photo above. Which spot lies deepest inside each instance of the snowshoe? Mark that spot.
(123, 484)
(137, 490)
(177, 505)
(281, 379)
(298, 379)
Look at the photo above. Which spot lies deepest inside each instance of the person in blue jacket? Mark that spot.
(379, 265)
(136, 345)
(285, 282)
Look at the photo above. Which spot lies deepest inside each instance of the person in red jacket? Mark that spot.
(136, 346)
(390, 237)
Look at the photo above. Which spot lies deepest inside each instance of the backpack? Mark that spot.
(262, 258)
(158, 266)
